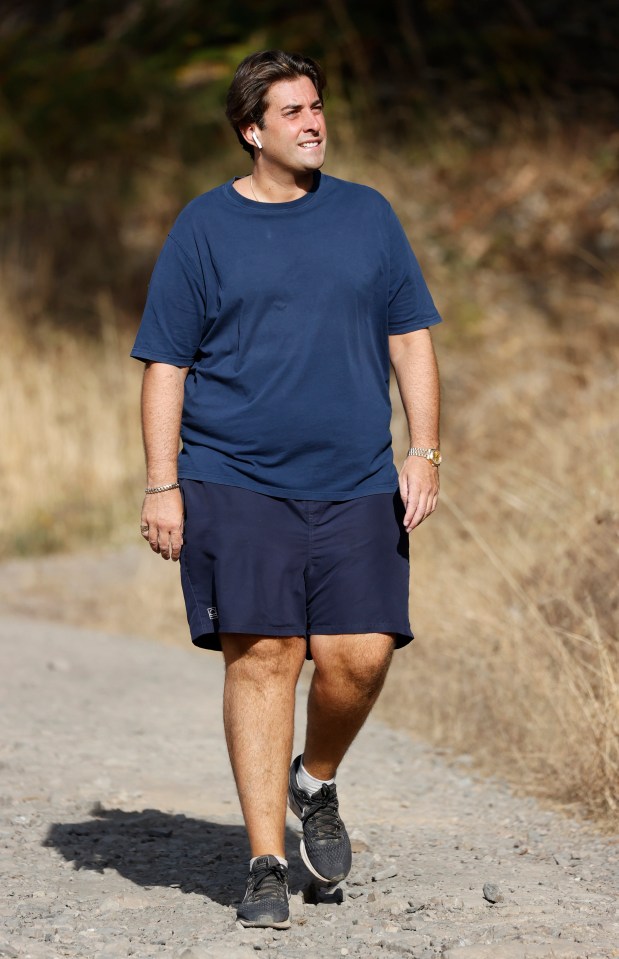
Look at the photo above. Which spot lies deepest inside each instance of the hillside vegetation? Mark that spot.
(515, 588)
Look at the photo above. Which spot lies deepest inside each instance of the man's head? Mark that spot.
(248, 95)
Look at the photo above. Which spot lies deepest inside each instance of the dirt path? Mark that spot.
(121, 835)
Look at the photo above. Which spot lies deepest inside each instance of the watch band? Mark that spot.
(434, 455)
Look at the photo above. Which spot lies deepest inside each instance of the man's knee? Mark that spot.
(263, 657)
(360, 661)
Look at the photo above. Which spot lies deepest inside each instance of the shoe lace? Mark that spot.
(267, 882)
(321, 814)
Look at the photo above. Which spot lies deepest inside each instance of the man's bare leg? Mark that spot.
(349, 674)
(259, 695)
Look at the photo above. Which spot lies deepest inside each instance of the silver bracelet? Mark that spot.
(161, 489)
(433, 455)
(418, 451)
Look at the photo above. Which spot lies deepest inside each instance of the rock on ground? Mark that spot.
(120, 833)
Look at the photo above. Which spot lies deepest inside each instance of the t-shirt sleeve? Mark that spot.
(173, 320)
(410, 304)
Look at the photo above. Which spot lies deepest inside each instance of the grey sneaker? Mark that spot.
(266, 899)
(325, 847)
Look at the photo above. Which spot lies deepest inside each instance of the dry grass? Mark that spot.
(515, 593)
(72, 463)
(515, 590)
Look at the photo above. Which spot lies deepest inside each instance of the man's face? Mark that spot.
(294, 133)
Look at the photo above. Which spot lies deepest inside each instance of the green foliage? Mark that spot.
(86, 82)
(97, 93)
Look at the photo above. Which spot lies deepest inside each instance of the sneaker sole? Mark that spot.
(264, 924)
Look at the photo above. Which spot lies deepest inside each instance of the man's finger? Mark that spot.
(176, 542)
(419, 513)
(430, 506)
(411, 509)
(164, 544)
(404, 492)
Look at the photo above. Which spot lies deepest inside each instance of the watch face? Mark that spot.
(436, 457)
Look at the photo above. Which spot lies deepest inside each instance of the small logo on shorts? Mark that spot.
(212, 612)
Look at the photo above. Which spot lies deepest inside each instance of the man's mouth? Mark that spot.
(310, 144)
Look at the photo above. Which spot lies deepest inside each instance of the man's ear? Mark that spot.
(251, 135)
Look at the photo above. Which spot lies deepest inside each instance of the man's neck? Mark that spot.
(274, 186)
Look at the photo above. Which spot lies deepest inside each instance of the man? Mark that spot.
(274, 309)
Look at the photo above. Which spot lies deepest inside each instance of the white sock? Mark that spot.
(308, 783)
(280, 859)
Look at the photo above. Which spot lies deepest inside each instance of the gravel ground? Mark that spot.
(121, 834)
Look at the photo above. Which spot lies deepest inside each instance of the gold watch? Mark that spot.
(433, 455)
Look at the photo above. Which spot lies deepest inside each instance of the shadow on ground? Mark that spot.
(153, 848)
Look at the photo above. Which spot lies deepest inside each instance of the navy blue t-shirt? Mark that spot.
(283, 313)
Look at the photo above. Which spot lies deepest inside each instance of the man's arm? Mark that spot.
(162, 405)
(414, 362)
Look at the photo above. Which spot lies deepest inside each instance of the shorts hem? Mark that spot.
(402, 636)
(209, 639)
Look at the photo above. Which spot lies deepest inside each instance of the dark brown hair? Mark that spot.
(247, 97)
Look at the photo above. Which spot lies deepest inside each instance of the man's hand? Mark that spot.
(419, 485)
(162, 523)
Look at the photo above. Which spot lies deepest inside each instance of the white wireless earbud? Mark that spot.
(256, 139)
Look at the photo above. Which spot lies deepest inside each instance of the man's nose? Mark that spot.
(312, 121)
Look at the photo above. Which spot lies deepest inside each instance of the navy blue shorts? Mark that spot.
(270, 566)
